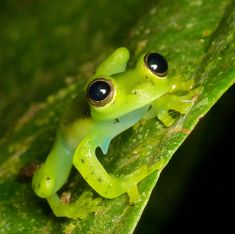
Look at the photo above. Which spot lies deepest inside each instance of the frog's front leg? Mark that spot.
(106, 185)
(170, 101)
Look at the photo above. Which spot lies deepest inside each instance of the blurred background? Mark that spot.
(43, 48)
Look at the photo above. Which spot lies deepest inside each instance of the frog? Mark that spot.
(113, 100)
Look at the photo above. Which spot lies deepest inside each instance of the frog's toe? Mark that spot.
(166, 119)
(81, 208)
(85, 205)
(133, 194)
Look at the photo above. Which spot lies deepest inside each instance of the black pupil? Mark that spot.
(99, 90)
(157, 64)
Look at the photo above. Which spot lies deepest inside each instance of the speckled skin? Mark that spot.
(138, 93)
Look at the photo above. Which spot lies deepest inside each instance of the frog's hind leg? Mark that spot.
(53, 174)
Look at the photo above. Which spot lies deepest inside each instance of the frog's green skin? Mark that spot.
(139, 93)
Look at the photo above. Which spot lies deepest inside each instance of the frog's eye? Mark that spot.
(156, 63)
(100, 92)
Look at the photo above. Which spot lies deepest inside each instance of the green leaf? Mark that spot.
(199, 44)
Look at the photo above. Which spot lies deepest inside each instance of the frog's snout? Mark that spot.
(43, 184)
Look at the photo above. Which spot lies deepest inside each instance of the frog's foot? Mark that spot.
(130, 182)
(81, 208)
(172, 102)
(165, 117)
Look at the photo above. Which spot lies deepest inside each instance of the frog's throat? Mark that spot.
(109, 129)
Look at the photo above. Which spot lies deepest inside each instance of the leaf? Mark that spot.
(43, 47)
(199, 44)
